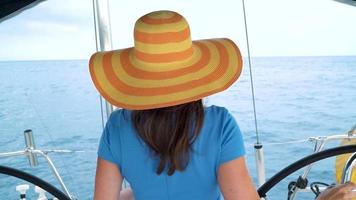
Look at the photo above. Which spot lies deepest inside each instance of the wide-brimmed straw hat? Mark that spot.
(165, 67)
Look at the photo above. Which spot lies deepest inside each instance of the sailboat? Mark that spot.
(9, 9)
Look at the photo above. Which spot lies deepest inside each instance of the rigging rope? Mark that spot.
(281, 142)
(46, 130)
(251, 79)
(288, 142)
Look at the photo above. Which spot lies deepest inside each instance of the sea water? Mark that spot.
(296, 98)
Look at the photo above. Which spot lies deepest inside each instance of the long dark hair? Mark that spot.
(170, 132)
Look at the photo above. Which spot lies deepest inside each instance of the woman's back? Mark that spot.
(218, 142)
(181, 158)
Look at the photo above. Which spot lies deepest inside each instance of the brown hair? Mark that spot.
(170, 132)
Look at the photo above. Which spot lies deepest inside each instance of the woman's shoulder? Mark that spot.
(120, 114)
(216, 110)
(216, 114)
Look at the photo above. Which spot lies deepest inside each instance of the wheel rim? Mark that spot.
(302, 163)
(34, 180)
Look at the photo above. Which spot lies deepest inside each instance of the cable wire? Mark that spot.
(49, 134)
(288, 142)
(251, 79)
(279, 143)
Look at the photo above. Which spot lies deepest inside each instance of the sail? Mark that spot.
(10, 8)
(350, 2)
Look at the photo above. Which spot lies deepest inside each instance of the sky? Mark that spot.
(63, 29)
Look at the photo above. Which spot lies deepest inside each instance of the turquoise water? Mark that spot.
(296, 97)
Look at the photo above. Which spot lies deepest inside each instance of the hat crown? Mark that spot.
(162, 37)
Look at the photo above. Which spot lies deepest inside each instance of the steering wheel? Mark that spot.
(267, 186)
(34, 180)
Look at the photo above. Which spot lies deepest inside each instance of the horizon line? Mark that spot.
(82, 59)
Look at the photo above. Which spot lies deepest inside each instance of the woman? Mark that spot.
(164, 142)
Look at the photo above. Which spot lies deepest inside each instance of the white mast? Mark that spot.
(103, 41)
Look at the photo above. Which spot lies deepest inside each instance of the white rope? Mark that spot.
(331, 137)
(63, 151)
(287, 142)
(283, 142)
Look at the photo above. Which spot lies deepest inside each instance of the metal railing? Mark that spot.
(31, 152)
(319, 144)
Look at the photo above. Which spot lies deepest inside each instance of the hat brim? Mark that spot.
(122, 80)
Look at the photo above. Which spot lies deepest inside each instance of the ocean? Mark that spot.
(296, 98)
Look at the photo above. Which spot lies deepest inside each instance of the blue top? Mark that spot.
(220, 141)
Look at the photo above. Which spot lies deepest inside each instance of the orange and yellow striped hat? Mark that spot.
(165, 67)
